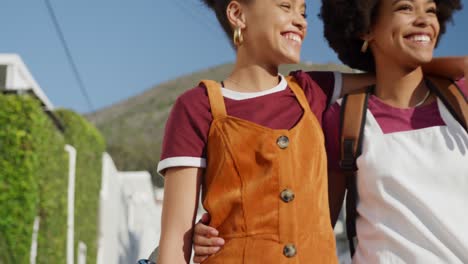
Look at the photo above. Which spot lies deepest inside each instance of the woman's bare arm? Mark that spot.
(181, 193)
(449, 67)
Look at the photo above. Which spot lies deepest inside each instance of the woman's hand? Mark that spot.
(205, 240)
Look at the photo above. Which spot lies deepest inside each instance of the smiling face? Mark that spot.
(405, 32)
(274, 30)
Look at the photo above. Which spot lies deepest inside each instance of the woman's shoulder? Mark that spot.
(192, 107)
(192, 101)
(195, 95)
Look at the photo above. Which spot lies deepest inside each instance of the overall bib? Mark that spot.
(413, 190)
(266, 189)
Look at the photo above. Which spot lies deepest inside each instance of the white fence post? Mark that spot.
(82, 251)
(109, 206)
(33, 253)
(71, 202)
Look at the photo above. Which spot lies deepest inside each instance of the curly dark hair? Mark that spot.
(219, 7)
(346, 20)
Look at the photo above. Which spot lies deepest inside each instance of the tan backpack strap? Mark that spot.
(353, 119)
(298, 92)
(218, 108)
(452, 97)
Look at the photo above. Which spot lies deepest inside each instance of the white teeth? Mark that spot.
(294, 37)
(420, 38)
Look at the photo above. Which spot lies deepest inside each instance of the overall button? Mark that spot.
(283, 142)
(289, 250)
(287, 195)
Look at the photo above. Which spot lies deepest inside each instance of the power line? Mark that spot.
(70, 59)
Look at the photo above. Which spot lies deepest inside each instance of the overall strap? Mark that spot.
(298, 92)
(452, 97)
(218, 109)
(353, 119)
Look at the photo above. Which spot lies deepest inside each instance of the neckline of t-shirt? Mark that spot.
(238, 96)
(376, 100)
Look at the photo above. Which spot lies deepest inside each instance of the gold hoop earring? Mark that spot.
(364, 47)
(238, 38)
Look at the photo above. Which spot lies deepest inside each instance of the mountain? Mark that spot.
(134, 127)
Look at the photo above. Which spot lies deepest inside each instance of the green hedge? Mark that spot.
(52, 175)
(31, 160)
(89, 145)
(34, 181)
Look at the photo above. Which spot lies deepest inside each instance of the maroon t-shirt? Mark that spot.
(390, 120)
(187, 128)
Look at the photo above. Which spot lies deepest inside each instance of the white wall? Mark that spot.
(129, 216)
(18, 78)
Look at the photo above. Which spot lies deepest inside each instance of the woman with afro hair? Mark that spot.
(412, 173)
(254, 143)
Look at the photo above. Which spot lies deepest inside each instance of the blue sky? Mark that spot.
(122, 47)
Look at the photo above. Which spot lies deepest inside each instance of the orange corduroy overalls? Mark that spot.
(266, 189)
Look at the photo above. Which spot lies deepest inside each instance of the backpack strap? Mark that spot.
(452, 97)
(353, 119)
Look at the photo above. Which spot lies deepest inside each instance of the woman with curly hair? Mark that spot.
(255, 144)
(412, 173)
